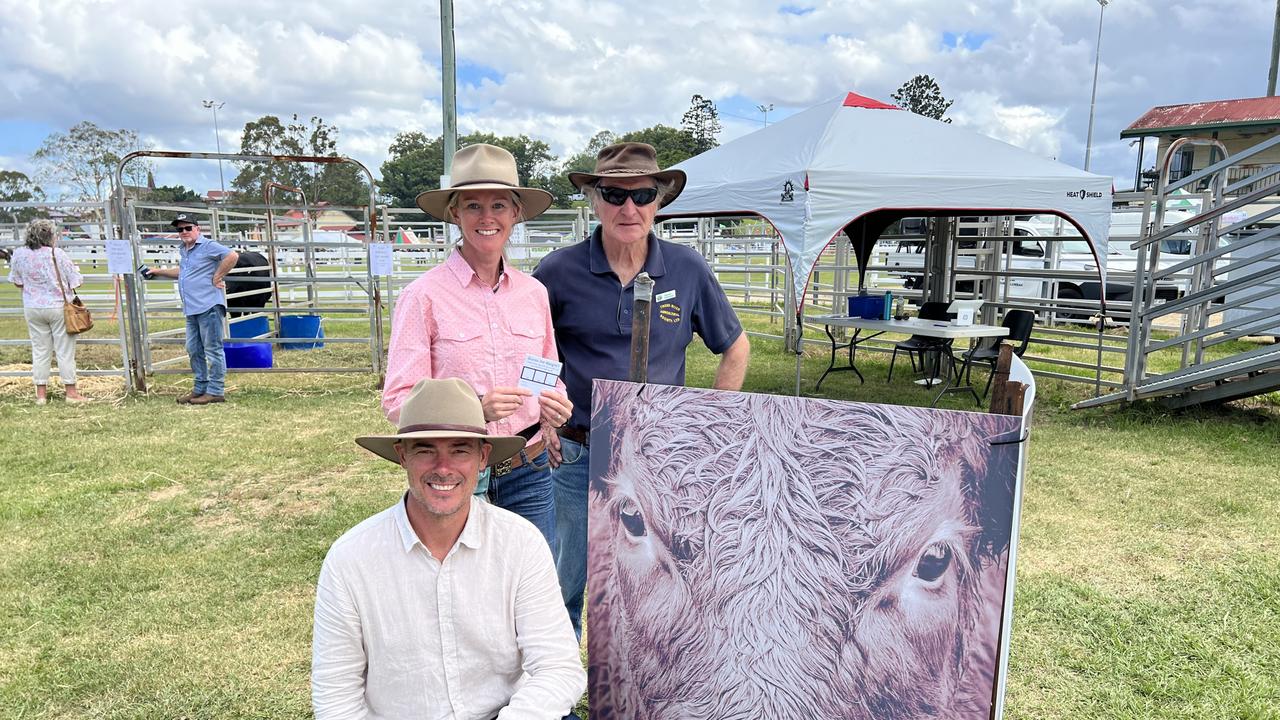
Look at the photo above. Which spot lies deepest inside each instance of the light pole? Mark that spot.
(765, 109)
(1275, 53)
(215, 107)
(1093, 98)
(449, 86)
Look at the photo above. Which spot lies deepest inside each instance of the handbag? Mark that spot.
(75, 315)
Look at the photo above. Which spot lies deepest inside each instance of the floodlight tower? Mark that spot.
(765, 109)
(215, 106)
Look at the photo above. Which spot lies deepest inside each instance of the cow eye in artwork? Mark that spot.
(631, 518)
(933, 562)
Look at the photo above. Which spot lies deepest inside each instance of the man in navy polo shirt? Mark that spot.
(590, 289)
(203, 263)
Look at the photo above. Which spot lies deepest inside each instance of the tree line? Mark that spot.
(415, 161)
(83, 160)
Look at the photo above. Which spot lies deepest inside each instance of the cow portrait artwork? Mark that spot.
(756, 556)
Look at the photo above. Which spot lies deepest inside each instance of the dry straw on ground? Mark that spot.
(106, 388)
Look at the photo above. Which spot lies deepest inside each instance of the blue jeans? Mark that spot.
(571, 480)
(204, 347)
(527, 492)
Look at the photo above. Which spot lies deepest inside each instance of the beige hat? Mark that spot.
(442, 409)
(484, 167)
(628, 160)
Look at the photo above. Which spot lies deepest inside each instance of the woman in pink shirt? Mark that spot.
(32, 269)
(475, 318)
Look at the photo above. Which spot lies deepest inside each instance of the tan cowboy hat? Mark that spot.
(484, 167)
(442, 409)
(628, 160)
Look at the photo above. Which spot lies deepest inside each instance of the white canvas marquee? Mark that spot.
(818, 171)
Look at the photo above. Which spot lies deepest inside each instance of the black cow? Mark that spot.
(249, 281)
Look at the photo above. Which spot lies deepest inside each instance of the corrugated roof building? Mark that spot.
(1238, 124)
(1196, 118)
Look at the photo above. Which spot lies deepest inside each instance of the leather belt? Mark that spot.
(524, 457)
(576, 433)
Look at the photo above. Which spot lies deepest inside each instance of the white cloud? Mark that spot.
(1032, 128)
(568, 68)
(18, 163)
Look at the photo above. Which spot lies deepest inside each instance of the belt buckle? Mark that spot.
(502, 468)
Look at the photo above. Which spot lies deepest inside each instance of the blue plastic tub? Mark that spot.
(247, 355)
(253, 327)
(301, 326)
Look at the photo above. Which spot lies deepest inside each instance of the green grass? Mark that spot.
(159, 561)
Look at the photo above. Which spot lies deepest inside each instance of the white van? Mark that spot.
(1126, 228)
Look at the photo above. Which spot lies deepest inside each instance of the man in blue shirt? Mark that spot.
(202, 266)
(589, 286)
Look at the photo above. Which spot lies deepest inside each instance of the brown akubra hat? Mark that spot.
(483, 167)
(628, 160)
(442, 409)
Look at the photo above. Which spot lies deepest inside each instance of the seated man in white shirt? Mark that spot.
(442, 607)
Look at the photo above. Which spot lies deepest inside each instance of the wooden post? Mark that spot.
(1006, 395)
(640, 319)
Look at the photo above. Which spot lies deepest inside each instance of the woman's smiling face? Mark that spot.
(486, 218)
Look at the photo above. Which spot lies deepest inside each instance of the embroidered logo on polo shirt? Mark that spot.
(669, 312)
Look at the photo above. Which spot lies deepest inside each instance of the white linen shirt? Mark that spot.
(482, 633)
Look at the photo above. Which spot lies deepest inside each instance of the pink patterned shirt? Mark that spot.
(448, 323)
(33, 270)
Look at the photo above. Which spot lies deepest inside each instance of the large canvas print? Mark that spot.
(756, 556)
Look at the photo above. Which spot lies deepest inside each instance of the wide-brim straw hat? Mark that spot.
(483, 167)
(442, 409)
(629, 160)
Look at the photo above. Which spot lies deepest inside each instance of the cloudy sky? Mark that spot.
(561, 70)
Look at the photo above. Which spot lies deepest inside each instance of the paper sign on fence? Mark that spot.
(539, 374)
(380, 259)
(119, 257)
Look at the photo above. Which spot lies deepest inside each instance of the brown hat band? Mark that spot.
(626, 171)
(443, 427)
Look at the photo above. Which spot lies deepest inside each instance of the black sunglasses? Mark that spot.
(618, 196)
(186, 228)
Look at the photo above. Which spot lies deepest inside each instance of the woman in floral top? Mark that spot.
(31, 269)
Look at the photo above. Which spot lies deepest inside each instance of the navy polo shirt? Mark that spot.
(591, 311)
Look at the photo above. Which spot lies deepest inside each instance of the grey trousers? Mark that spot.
(49, 336)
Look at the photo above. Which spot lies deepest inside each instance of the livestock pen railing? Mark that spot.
(313, 271)
(258, 226)
(986, 257)
(307, 289)
(1234, 291)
